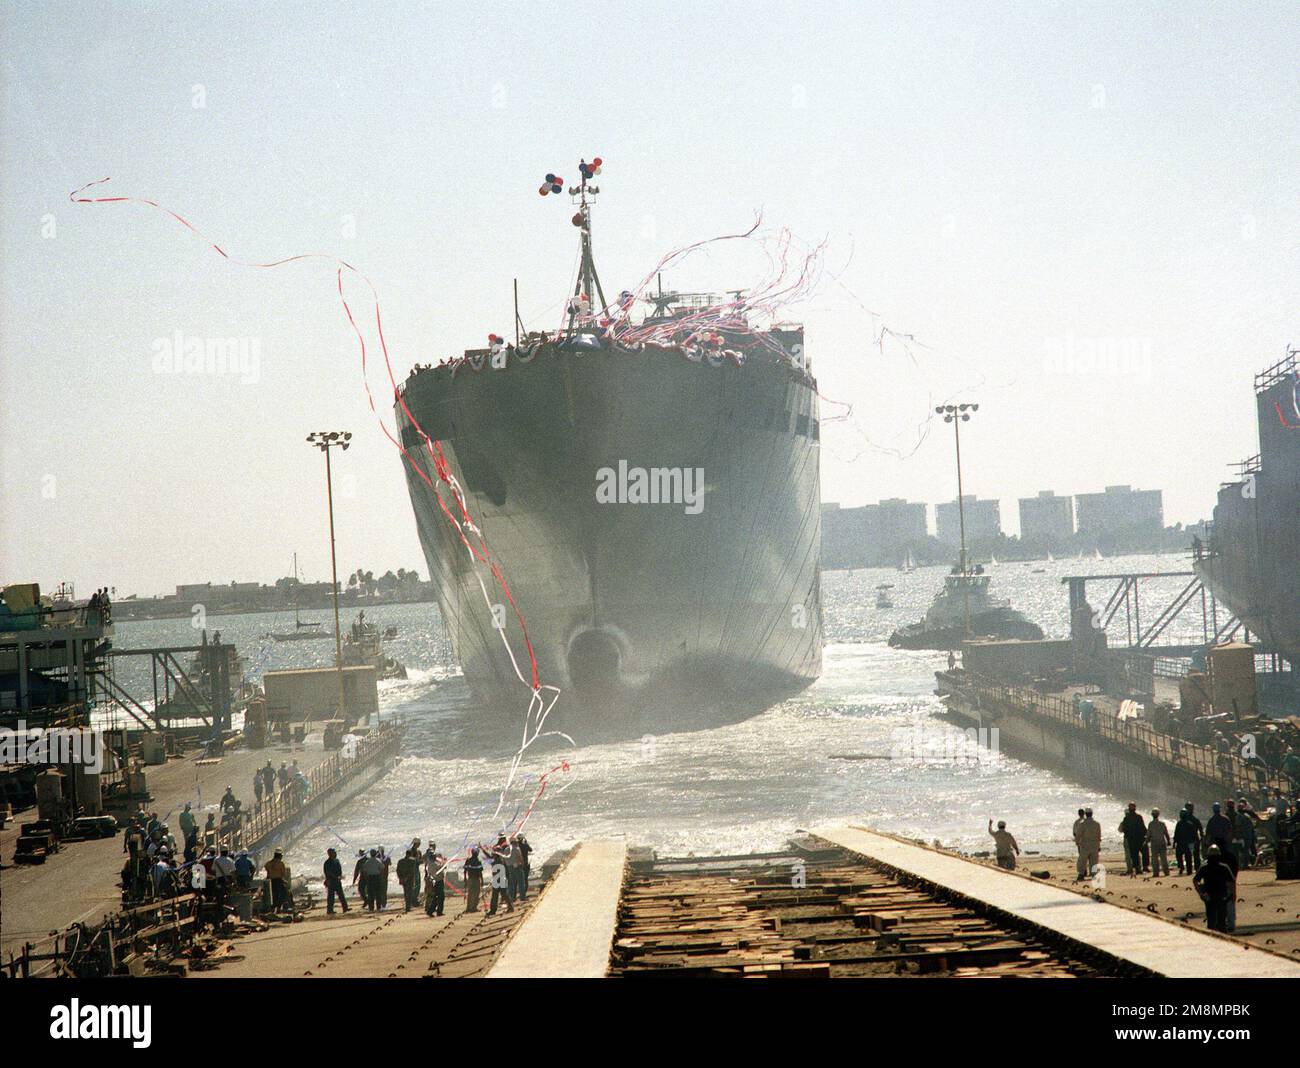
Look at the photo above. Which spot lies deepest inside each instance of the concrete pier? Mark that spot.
(570, 932)
(1145, 941)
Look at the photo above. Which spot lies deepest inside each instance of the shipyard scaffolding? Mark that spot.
(1166, 634)
(59, 673)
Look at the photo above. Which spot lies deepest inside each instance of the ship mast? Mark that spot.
(588, 285)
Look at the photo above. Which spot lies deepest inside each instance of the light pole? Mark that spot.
(326, 440)
(956, 414)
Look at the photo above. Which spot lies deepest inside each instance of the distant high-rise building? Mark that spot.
(1046, 517)
(896, 523)
(1120, 509)
(872, 534)
(983, 520)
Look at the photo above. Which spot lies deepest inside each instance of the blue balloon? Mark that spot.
(557, 189)
(550, 178)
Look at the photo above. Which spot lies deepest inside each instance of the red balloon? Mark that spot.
(597, 162)
(544, 190)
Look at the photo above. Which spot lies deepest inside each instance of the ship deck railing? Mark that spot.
(1226, 770)
(1284, 368)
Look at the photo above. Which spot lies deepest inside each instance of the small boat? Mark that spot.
(363, 645)
(908, 565)
(302, 632)
(883, 599)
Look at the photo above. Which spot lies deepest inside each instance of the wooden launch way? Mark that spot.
(1146, 942)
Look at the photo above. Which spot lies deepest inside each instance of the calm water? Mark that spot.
(745, 786)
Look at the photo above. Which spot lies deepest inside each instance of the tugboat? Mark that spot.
(965, 592)
(963, 609)
(363, 644)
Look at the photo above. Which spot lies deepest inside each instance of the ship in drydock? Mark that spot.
(653, 507)
(1251, 560)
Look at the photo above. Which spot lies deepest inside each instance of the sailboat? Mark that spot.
(301, 632)
(908, 565)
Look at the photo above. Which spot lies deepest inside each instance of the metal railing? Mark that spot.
(290, 800)
(1226, 771)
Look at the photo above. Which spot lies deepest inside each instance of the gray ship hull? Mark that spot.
(631, 608)
(1252, 562)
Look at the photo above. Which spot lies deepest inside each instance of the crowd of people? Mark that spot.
(418, 871)
(1212, 854)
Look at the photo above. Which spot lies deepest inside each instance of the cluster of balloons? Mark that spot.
(552, 184)
(590, 170)
(495, 342)
(707, 337)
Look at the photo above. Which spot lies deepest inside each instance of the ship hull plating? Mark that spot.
(1253, 562)
(705, 597)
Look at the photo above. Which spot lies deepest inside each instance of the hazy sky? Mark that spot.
(1017, 189)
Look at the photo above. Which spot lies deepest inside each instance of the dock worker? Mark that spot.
(228, 802)
(283, 775)
(1187, 843)
(187, 820)
(1158, 840)
(268, 781)
(382, 882)
(164, 882)
(525, 866)
(1081, 867)
(333, 871)
(1134, 829)
(1218, 829)
(435, 885)
(223, 867)
(501, 857)
(1246, 819)
(373, 876)
(244, 870)
(357, 878)
(515, 872)
(277, 875)
(1005, 846)
(473, 870)
(1217, 886)
(408, 876)
(258, 786)
(1090, 835)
